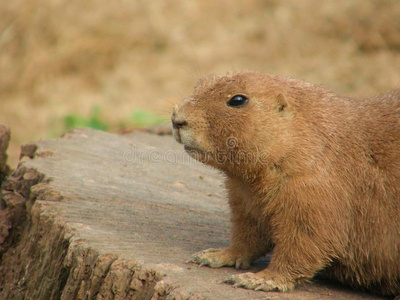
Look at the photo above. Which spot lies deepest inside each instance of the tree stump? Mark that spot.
(95, 215)
(4, 140)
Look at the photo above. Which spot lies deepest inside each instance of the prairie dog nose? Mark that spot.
(177, 121)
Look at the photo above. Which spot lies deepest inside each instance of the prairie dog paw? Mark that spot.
(217, 258)
(259, 282)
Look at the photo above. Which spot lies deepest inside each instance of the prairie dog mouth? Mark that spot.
(189, 144)
(177, 136)
(191, 148)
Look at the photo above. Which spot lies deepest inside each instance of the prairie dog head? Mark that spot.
(236, 121)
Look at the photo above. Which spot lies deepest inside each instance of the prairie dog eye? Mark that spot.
(237, 101)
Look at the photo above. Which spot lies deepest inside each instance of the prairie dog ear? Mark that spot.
(282, 105)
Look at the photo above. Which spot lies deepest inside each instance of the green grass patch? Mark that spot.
(93, 121)
(143, 118)
(138, 118)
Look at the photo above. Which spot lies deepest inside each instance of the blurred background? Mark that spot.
(115, 65)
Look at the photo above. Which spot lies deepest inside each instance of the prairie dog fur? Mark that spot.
(311, 175)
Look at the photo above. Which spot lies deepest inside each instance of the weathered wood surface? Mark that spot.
(95, 215)
(4, 140)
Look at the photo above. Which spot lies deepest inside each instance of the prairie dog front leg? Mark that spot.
(250, 238)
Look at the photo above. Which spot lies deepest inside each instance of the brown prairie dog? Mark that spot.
(311, 175)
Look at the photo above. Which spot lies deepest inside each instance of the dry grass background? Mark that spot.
(66, 56)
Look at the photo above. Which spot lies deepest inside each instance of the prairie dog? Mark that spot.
(311, 175)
